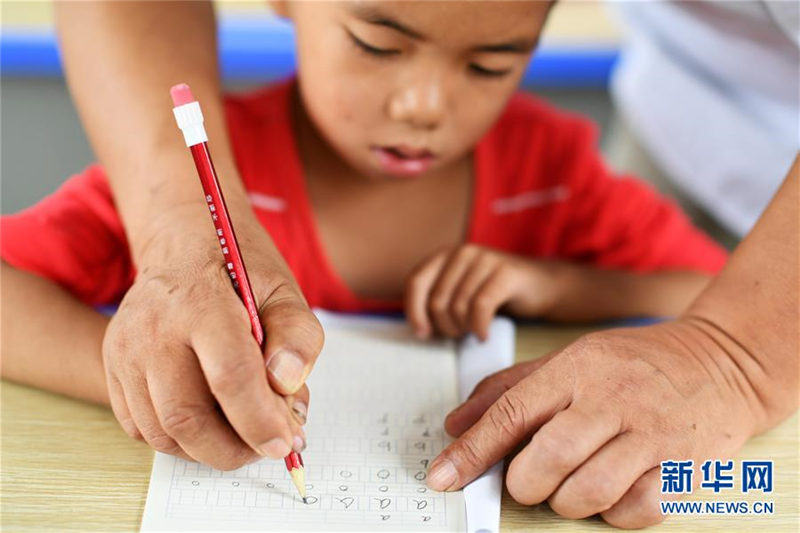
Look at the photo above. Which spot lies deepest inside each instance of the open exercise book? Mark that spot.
(378, 401)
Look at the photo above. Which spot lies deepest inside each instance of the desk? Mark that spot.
(67, 466)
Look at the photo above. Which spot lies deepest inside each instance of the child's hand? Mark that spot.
(604, 412)
(459, 290)
(183, 369)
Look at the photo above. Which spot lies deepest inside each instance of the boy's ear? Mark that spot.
(280, 7)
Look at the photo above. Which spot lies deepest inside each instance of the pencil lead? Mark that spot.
(305, 500)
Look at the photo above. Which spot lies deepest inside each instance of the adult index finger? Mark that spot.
(486, 393)
(188, 413)
(514, 416)
(234, 368)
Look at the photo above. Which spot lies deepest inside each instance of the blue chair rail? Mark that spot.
(263, 49)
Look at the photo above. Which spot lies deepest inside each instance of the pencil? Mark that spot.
(190, 120)
(294, 464)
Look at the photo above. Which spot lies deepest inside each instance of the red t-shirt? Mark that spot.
(541, 191)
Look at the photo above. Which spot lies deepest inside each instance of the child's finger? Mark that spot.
(188, 412)
(604, 478)
(477, 274)
(294, 340)
(236, 375)
(557, 449)
(495, 291)
(440, 301)
(417, 289)
(514, 416)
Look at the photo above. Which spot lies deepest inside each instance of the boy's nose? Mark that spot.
(419, 104)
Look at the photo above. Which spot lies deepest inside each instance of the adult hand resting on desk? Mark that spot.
(180, 344)
(601, 414)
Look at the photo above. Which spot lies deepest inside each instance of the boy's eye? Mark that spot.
(381, 52)
(487, 72)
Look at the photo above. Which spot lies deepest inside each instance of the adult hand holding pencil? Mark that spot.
(190, 120)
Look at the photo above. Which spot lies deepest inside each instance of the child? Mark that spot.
(398, 171)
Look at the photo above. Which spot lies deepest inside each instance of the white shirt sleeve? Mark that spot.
(711, 90)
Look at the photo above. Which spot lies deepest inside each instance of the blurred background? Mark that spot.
(42, 142)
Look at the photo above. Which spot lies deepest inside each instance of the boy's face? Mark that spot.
(401, 88)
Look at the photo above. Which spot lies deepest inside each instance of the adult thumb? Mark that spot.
(294, 339)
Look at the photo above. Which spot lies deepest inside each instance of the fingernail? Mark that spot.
(301, 410)
(421, 333)
(274, 449)
(298, 443)
(287, 368)
(442, 475)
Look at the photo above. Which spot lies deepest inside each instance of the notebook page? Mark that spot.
(477, 360)
(379, 398)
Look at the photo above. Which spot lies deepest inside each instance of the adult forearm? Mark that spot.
(120, 60)
(750, 311)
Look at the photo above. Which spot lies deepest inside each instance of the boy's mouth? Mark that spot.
(403, 160)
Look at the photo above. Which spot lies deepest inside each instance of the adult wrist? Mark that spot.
(185, 236)
(733, 365)
(175, 213)
(180, 231)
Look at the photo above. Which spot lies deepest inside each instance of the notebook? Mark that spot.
(378, 401)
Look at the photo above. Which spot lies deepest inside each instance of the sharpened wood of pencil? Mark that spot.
(294, 464)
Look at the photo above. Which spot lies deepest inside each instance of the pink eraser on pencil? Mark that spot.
(181, 94)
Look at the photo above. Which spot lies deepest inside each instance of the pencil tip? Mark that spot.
(305, 500)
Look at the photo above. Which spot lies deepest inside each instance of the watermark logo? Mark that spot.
(717, 476)
(756, 475)
(676, 477)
